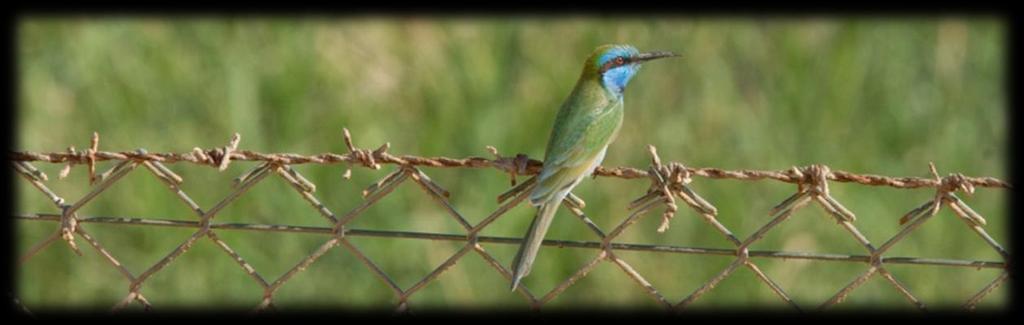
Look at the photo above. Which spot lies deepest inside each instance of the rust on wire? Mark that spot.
(668, 182)
(517, 165)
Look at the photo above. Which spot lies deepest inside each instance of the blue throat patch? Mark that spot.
(616, 79)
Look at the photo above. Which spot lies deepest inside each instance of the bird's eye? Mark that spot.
(619, 60)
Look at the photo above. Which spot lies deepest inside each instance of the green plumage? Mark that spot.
(584, 127)
(586, 124)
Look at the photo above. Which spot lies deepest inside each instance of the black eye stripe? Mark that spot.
(616, 62)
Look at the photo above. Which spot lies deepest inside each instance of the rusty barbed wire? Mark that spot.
(518, 165)
(669, 181)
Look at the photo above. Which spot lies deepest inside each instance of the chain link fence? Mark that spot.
(669, 183)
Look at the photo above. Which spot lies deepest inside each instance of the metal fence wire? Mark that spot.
(669, 182)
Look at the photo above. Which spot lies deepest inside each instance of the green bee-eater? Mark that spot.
(586, 123)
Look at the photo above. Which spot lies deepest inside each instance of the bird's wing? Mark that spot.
(576, 144)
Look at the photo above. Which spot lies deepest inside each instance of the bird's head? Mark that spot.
(615, 64)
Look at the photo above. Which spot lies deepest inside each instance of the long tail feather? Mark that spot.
(531, 242)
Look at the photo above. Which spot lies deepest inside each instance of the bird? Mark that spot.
(586, 123)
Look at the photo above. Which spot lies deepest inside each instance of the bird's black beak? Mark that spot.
(654, 55)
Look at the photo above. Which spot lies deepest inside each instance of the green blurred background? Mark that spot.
(867, 95)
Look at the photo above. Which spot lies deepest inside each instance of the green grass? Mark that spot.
(867, 95)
